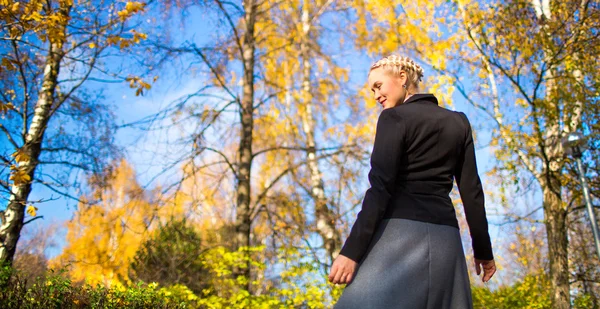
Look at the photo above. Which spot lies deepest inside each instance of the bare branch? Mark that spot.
(24, 80)
(263, 194)
(581, 207)
(52, 188)
(229, 164)
(91, 65)
(68, 149)
(238, 39)
(32, 219)
(9, 137)
(304, 149)
(216, 74)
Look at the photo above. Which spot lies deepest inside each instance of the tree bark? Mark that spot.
(325, 218)
(242, 221)
(555, 214)
(556, 229)
(12, 219)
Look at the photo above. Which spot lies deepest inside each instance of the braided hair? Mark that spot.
(395, 64)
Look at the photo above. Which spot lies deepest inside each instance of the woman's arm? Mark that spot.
(385, 162)
(471, 193)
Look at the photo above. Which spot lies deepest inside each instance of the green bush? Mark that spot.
(56, 291)
(170, 257)
(584, 301)
(299, 284)
(533, 292)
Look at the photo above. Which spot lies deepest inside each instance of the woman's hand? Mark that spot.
(489, 268)
(342, 270)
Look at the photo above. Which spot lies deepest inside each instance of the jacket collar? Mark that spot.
(427, 97)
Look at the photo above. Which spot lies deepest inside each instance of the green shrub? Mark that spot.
(170, 257)
(584, 301)
(57, 291)
(299, 284)
(533, 292)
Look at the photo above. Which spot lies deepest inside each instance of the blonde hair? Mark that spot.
(395, 64)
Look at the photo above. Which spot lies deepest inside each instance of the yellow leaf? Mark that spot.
(113, 40)
(19, 176)
(124, 44)
(4, 108)
(35, 16)
(7, 64)
(32, 210)
(92, 45)
(20, 156)
(130, 9)
(15, 7)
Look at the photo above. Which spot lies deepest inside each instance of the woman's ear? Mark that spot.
(402, 78)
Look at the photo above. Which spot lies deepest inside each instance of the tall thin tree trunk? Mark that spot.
(325, 218)
(13, 217)
(243, 222)
(556, 229)
(555, 214)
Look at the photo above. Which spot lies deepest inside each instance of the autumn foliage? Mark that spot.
(255, 133)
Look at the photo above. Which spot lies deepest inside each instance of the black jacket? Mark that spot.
(420, 148)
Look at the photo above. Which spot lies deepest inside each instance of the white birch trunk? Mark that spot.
(555, 213)
(325, 218)
(13, 216)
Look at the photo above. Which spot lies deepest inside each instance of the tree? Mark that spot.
(308, 82)
(583, 262)
(103, 238)
(535, 94)
(256, 175)
(50, 51)
(299, 285)
(30, 260)
(240, 23)
(172, 256)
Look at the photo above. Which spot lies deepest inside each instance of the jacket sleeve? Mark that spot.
(385, 161)
(471, 193)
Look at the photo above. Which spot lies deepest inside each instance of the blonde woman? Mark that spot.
(404, 250)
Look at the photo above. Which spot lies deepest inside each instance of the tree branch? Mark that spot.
(32, 219)
(263, 194)
(229, 164)
(216, 74)
(304, 149)
(9, 136)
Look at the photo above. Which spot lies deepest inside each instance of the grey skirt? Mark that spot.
(411, 265)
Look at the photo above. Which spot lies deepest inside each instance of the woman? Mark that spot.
(404, 250)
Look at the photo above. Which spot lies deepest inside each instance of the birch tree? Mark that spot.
(247, 127)
(103, 237)
(229, 65)
(536, 94)
(50, 51)
(325, 217)
(309, 86)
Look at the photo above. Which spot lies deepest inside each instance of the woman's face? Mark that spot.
(386, 88)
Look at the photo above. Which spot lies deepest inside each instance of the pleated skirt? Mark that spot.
(411, 265)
